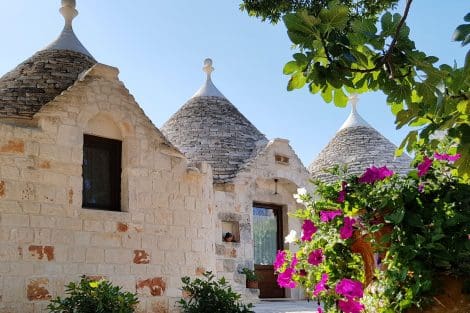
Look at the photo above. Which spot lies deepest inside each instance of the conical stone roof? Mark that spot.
(359, 146)
(209, 128)
(42, 77)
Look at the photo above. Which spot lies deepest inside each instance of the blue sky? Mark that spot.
(159, 47)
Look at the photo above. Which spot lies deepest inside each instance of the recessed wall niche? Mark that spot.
(230, 231)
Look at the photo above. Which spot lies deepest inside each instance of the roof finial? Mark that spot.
(208, 69)
(68, 11)
(354, 99)
(354, 119)
(208, 89)
(67, 39)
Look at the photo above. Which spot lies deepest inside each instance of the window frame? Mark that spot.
(114, 148)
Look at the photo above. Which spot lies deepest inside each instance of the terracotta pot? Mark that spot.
(363, 246)
(252, 284)
(450, 299)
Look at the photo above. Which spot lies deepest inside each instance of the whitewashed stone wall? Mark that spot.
(166, 229)
(255, 184)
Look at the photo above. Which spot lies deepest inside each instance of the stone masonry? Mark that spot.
(358, 147)
(165, 229)
(211, 129)
(38, 80)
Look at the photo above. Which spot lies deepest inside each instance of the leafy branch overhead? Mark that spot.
(348, 47)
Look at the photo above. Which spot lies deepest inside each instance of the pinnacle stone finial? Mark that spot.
(354, 99)
(68, 11)
(208, 89)
(354, 119)
(208, 69)
(67, 39)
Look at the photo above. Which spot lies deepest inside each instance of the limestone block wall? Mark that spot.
(165, 229)
(255, 184)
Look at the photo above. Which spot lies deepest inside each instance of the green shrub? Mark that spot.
(209, 295)
(89, 296)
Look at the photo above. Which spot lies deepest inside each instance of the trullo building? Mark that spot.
(359, 146)
(89, 186)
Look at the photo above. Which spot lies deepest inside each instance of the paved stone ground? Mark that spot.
(284, 306)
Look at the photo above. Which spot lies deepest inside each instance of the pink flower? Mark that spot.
(294, 261)
(319, 310)
(280, 259)
(350, 305)
(424, 166)
(447, 157)
(373, 174)
(349, 288)
(326, 216)
(321, 285)
(342, 193)
(346, 230)
(316, 257)
(284, 279)
(308, 230)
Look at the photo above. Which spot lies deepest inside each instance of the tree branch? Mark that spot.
(386, 57)
(399, 26)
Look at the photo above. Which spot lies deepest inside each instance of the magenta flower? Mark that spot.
(373, 174)
(326, 216)
(346, 230)
(308, 230)
(280, 259)
(284, 279)
(447, 157)
(424, 166)
(319, 310)
(321, 285)
(350, 305)
(294, 261)
(349, 288)
(316, 257)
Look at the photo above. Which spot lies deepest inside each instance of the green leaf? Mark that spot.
(340, 99)
(334, 18)
(396, 107)
(296, 81)
(365, 26)
(466, 40)
(461, 32)
(467, 17)
(314, 88)
(290, 68)
(327, 94)
(297, 37)
(419, 121)
(408, 142)
(301, 59)
(294, 22)
(387, 23)
(396, 217)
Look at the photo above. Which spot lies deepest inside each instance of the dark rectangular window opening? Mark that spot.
(101, 173)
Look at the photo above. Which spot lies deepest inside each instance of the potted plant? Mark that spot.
(251, 278)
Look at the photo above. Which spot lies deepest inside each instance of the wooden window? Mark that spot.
(101, 173)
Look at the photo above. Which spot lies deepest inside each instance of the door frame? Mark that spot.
(278, 210)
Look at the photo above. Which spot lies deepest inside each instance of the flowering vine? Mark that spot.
(382, 216)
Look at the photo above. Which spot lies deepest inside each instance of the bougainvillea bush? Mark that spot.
(416, 227)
